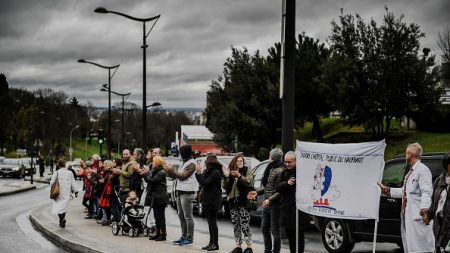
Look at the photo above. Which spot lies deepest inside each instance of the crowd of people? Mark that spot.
(139, 179)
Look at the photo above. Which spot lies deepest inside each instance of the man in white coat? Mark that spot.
(67, 185)
(417, 234)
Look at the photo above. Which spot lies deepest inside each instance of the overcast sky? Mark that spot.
(41, 41)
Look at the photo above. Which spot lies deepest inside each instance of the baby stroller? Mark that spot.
(131, 219)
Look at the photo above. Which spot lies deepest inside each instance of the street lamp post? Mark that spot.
(123, 107)
(144, 79)
(116, 67)
(70, 146)
(153, 105)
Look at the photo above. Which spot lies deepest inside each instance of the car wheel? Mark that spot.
(115, 228)
(335, 237)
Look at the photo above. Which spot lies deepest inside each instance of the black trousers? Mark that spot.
(160, 218)
(290, 234)
(211, 217)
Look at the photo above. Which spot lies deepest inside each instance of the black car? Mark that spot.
(340, 235)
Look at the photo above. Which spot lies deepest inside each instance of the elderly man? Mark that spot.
(417, 234)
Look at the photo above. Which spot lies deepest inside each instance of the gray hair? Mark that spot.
(291, 153)
(416, 150)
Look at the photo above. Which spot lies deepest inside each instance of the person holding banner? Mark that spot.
(439, 211)
(416, 195)
(286, 187)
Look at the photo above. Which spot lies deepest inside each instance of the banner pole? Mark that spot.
(375, 231)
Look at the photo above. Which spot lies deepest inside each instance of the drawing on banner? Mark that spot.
(322, 192)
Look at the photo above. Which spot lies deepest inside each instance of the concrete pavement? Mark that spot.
(85, 235)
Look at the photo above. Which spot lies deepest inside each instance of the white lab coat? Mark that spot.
(416, 236)
(67, 185)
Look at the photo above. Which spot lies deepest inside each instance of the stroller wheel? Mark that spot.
(115, 228)
(145, 231)
(135, 232)
(131, 232)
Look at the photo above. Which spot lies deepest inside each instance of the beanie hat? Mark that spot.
(276, 154)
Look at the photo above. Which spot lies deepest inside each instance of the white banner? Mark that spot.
(339, 180)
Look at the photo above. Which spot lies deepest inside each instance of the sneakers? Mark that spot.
(186, 242)
(237, 250)
(179, 240)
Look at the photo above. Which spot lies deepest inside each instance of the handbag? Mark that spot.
(54, 189)
(252, 204)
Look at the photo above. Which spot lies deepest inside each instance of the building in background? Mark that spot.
(200, 138)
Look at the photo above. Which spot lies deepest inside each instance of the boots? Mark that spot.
(162, 235)
(214, 246)
(153, 237)
(62, 220)
(207, 246)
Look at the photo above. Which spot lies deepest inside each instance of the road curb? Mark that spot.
(17, 191)
(55, 238)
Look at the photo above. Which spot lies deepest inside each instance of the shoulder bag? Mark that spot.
(54, 190)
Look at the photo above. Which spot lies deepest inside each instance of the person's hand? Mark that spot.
(101, 180)
(198, 168)
(291, 181)
(235, 173)
(384, 189)
(424, 213)
(252, 195)
(266, 203)
(226, 171)
(115, 170)
(167, 167)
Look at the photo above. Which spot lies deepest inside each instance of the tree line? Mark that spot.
(41, 120)
(369, 74)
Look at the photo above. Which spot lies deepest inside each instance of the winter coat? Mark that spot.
(441, 224)
(125, 175)
(287, 202)
(156, 188)
(272, 171)
(210, 181)
(238, 188)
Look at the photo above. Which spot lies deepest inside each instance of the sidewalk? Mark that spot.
(13, 187)
(85, 235)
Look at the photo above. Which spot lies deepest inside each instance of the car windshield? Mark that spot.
(10, 162)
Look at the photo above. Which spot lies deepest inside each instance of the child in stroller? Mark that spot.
(131, 218)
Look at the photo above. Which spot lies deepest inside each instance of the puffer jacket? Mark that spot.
(270, 189)
(441, 224)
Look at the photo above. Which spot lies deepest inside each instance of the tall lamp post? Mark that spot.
(144, 47)
(116, 67)
(70, 146)
(153, 105)
(123, 107)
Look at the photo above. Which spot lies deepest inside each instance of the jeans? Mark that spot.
(270, 226)
(185, 214)
(211, 217)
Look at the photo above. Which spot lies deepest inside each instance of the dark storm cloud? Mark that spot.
(41, 41)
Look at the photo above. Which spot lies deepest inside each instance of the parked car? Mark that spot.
(339, 235)
(30, 164)
(258, 174)
(75, 166)
(12, 167)
(176, 163)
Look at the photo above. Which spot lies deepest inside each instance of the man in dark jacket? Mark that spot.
(270, 223)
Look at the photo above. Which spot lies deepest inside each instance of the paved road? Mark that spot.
(16, 232)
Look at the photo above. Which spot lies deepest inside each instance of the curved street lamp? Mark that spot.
(144, 46)
(116, 67)
(70, 148)
(123, 106)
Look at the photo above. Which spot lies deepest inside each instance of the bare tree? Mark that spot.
(444, 43)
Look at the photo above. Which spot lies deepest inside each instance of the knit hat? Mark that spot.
(158, 161)
(276, 154)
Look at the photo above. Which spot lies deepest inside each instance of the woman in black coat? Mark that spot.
(157, 197)
(439, 210)
(211, 199)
